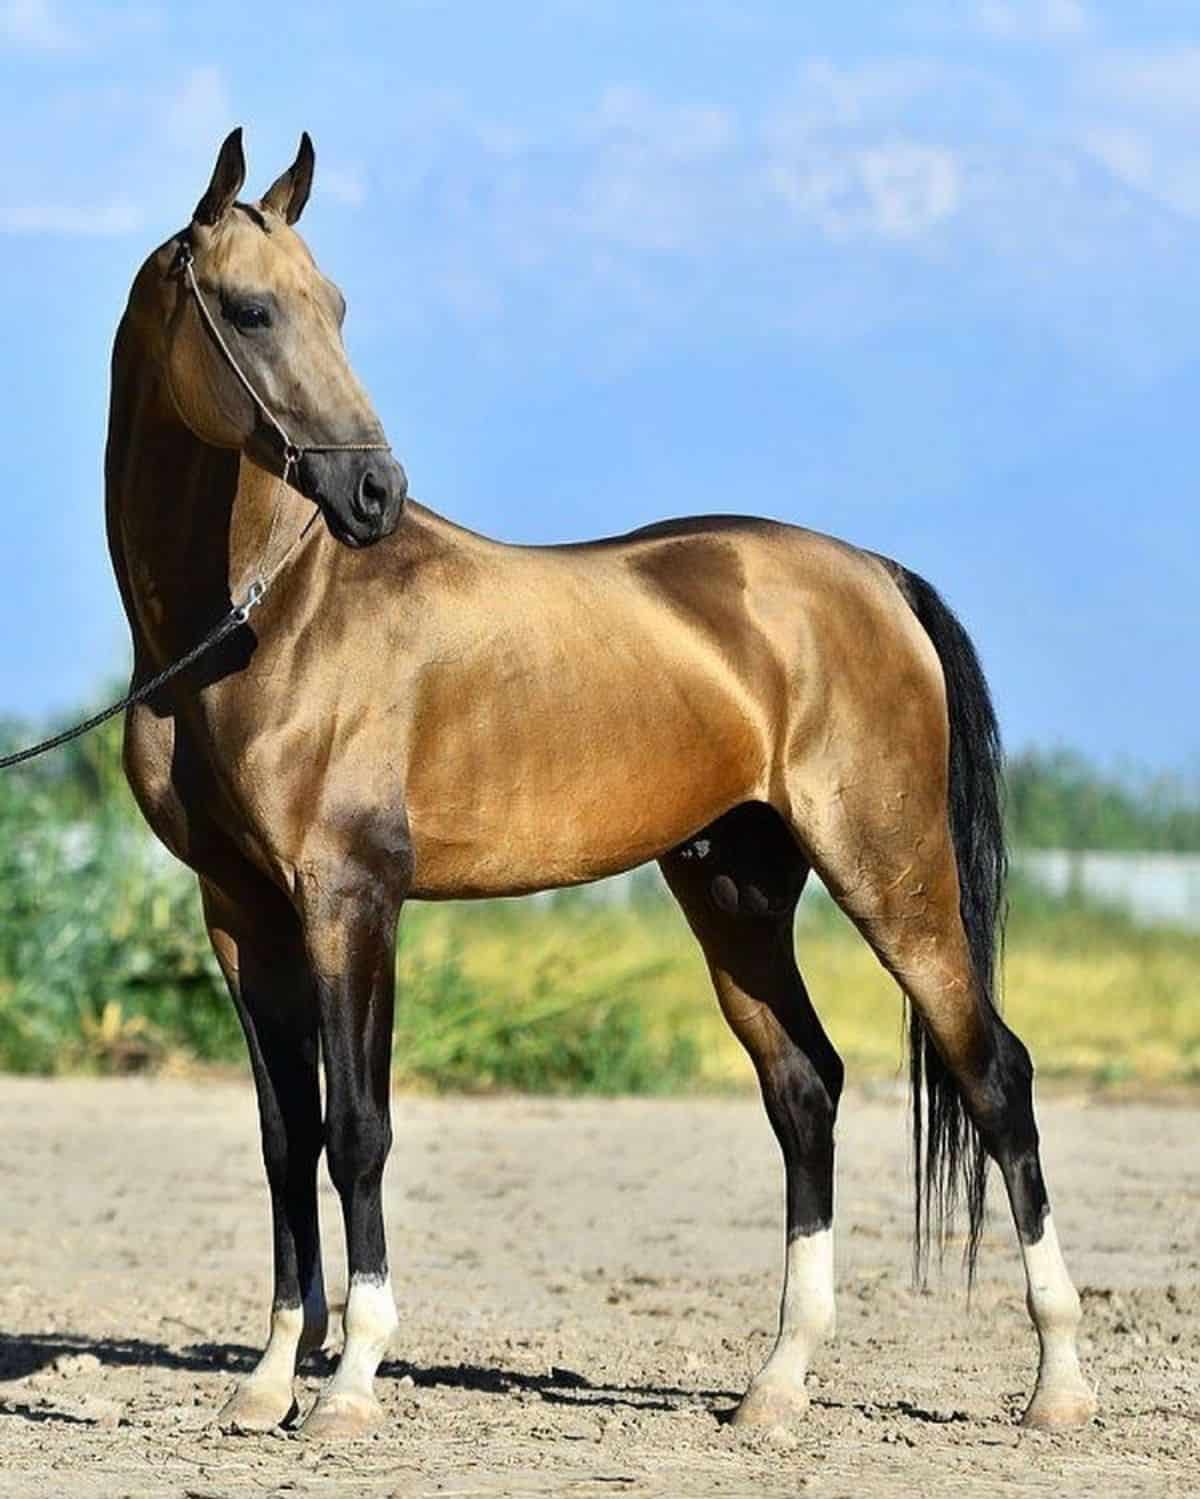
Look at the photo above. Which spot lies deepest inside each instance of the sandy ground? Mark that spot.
(585, 1288)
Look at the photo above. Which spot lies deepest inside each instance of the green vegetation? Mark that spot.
(1057, 800)
(104, 964)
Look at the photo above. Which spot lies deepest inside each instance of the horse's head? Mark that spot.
(296, 407)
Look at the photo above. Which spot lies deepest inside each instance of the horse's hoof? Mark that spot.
(252, 1409)
(771, 1405)
(339, 1415)
(1060, 1410)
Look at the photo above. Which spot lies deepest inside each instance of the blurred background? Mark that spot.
(920, 275)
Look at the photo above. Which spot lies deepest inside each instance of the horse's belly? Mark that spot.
(531, 809)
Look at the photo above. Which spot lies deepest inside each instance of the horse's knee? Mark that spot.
(291, 1150)
(800, 1102)
(357, 1145)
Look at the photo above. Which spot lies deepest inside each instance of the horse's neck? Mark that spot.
(186, 521)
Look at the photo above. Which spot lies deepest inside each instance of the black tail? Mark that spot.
(949, 1161)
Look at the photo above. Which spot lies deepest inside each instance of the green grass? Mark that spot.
(104, 966)
(489, 1003)
(1098, 999)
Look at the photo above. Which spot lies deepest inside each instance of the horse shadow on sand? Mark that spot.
(22, 1355)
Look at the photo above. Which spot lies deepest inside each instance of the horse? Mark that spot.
(417, 712)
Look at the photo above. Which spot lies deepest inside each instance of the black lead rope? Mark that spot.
(236, 617)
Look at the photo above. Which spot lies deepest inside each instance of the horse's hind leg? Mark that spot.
(894, 872)
(257, 942)
(738, 885)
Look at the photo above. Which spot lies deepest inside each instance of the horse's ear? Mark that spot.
(227, 178)
(288, 194)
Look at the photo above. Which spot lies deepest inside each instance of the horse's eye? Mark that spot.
(247, 316)
(252, 316)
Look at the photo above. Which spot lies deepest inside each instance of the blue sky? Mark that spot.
(923, 275)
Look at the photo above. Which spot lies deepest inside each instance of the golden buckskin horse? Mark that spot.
(417, 712)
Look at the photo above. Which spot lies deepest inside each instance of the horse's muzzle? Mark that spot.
(360, 494)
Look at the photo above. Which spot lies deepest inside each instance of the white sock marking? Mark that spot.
(278, 1362)
(370, 1320)
(806, 1312)
(289, 1326)
(1054, 1307)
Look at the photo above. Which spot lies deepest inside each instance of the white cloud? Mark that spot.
(345, 184)
(1031, 20)
(900, 190)
(1164, 83)
(830, 162)
(1128, 154)
(35, 25)
(654, 204)
(156, 174)
(1135, 112)
(911, 187)
(198, 111)
(827, 96)
(45, 216)
(627, 115)
(653, 178)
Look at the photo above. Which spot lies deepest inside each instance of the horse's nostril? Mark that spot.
(371, 497)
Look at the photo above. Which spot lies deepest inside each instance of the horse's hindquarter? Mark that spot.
(585, 709)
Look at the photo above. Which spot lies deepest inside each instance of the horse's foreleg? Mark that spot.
(259, 949)
(353, 953)
(763, 997)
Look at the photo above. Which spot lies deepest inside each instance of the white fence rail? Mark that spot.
(1153, 888)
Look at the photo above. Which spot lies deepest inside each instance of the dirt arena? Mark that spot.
(584, 1289)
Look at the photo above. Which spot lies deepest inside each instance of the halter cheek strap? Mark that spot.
(293, 452)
